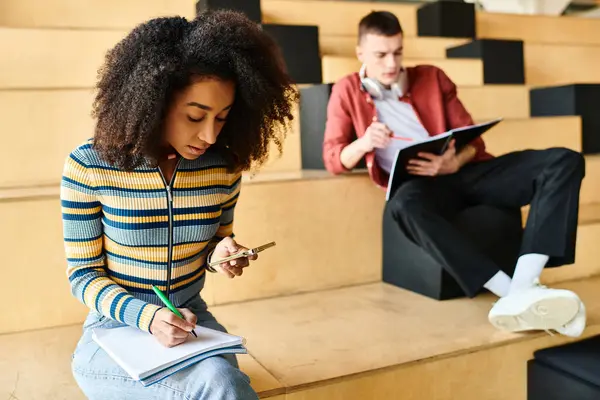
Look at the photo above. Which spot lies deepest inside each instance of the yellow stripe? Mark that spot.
(186, 180)
(202, 216)
(146, 316)
(73, 195)
(137, 220)
(84, 249)
(71, 270)
(109, 297)
(152, 254)
(81, 211)
(141, 203)
(116, 181)
(225, 230)
(93, 288)
(192, 279)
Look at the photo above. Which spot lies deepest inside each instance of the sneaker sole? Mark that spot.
(546, 314)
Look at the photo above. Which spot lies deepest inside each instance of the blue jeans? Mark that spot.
(99, 377)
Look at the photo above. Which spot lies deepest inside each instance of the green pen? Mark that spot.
(169, 305)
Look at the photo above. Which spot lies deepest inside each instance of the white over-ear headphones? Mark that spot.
(375, 89)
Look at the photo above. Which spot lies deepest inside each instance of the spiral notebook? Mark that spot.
(146, 360)
(436, 145)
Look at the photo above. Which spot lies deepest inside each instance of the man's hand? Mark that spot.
(432, 165)
(377, 136)
(169, 329)
(228, 247)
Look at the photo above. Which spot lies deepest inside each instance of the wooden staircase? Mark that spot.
(319, 322)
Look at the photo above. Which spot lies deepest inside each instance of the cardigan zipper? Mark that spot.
(169, 189)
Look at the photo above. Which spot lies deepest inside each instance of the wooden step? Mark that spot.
(413, 47)
(534, 133)
(36, 365)
(590, 191)
(334, 17)
(530, 28)
(493, 101)
(463, 72)
(103, 14)
(312, 349)
(70, 58)
(539, 28)
(406, 343)
(297, 264)
(267, 200)
(57, 121)
(545, 63)
(552, 64)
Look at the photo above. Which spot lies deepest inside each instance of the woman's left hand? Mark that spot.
(228, 247)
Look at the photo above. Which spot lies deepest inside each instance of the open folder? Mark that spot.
(146, 360)
(437, 145)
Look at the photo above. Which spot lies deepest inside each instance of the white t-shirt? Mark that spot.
(401, 118)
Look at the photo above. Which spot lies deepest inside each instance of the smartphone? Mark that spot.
(247, 253)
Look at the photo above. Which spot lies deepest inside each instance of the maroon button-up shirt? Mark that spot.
(351, 110)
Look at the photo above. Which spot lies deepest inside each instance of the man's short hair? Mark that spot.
(379, 23)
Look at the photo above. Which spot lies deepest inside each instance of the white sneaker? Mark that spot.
(576, 326)
(539, 308)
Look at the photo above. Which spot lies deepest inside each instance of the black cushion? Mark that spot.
(581, 359)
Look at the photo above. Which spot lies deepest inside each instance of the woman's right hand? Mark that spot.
(169, 329)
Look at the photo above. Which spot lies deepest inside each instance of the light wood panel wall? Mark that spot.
(462, 72)
(96, 14)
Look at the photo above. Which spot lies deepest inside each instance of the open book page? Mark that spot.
(141, 355)
(435, 145)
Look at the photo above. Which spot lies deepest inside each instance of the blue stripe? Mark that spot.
(113, 306)
(135, 289)
(135, 226)
(80, 240)
(99, 295)
(76, 183)
(122, 312)
(121, 212)
(195, 222)
(137, 321)
(128, 190)
(85, 287)
(115, 255)
(85, 146)
(82, 272)
(197, 210)
(202, 188)
(80, 204)
(153, 245)
(81, 217)
(145, 281)
(234, 199)
(89, 259)
(135, 171)
(77, 160)
(158, 225)
(199, 169)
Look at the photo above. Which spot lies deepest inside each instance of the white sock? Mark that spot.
(499, 284)
(529, 268)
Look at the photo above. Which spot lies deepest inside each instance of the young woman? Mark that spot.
(183, 107)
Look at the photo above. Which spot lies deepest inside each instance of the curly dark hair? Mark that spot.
(159, 57)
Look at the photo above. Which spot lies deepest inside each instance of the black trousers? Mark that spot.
(549, 180)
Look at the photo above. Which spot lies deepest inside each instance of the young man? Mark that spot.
(369, 115)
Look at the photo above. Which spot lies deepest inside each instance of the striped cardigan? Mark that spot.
(126, 231)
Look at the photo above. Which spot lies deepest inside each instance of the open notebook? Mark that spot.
(146, 360)
(436, 145)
